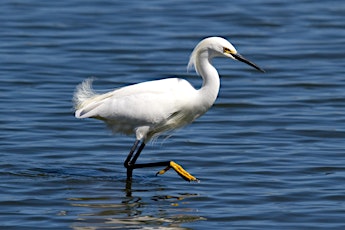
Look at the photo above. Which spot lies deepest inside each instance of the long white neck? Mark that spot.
(211, 83)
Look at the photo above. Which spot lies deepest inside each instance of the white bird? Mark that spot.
(150, 108)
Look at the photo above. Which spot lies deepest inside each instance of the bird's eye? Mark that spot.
(226, 50)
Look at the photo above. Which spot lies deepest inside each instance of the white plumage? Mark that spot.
(150, 108)
(147, 108)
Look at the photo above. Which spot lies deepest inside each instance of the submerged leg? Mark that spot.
(131, 165)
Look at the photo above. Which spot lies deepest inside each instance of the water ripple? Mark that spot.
(269, 153)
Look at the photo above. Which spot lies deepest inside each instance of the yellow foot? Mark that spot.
(179, 170)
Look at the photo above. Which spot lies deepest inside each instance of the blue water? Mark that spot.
(269, 154)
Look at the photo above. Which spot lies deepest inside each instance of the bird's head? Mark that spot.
(217, 47)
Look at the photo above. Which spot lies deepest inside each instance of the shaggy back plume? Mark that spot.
(83, 92)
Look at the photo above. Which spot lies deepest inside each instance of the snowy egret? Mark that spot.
(150, 108)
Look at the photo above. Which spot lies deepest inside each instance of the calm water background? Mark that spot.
(270, 153)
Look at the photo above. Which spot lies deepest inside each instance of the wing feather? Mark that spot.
(151, 103)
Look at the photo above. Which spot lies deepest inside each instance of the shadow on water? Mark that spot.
(118, 202)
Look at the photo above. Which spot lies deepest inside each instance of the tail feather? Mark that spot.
(83, 92)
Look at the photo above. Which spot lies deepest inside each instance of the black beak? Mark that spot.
(242, 59)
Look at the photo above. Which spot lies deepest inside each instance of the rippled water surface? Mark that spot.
(269, 154)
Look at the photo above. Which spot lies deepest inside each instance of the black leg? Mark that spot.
(155, 164)
(130, 160)
(130, 164)
(134, 159)
(130, 154)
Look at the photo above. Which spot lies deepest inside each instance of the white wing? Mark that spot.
(159, 105)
